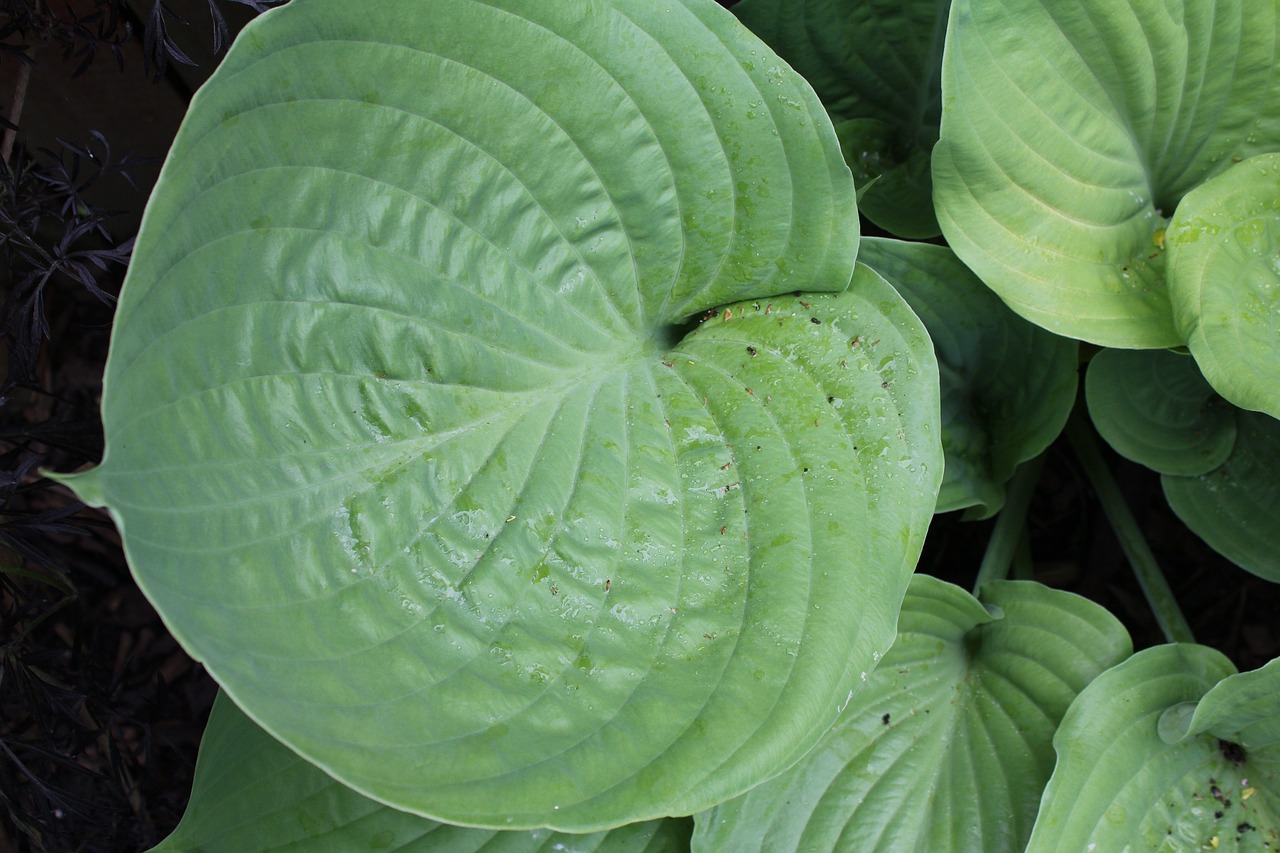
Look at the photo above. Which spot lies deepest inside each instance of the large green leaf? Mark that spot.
(948, 746)
(405, 443)
(1007, 386)
(252, 795)
(1155, 407)
(1224, 277)
(875, 64)
(1071, 130)
(1233, 506)
(1151, 756)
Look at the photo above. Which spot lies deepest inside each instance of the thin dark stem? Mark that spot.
(1154, 586)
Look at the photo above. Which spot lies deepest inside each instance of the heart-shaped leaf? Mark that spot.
(407, 444)
(1007, 386)
(1070, 133)
(875, 64)
(1224, 276)
(948, 745)
(1233, 506)
(1155, 407)
(251, 795)
(1148, 761)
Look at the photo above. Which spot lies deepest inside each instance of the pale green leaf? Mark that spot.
(410, 442)
(1224, 276)
(1127, 780)
(1243, 710)
(949, 743)
(1007, 386)
(1155, 407)
(1070, 132)
(252, 795)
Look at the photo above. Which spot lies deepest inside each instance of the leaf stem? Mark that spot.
(1010, 524)
(1023, 566)
(1154, 586)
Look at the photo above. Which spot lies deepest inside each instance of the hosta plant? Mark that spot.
(531, 452)
(504, 408)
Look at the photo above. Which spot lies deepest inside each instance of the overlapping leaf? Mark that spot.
(1071, 131)
(253, 795)
(1007, 386)
(1233, 506)
(1218, 464)
(948, 745)
(1224, 277)
(407, 444)
(1242, 711)
(1155, 407)
(1153, 756)
(876, 67)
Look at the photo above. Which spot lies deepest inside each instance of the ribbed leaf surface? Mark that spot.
(1155, 407)
(1132, 775)
(252, 795)
(1007, 386)
(408, 444)
(948, 746)
(1224, 275)
(1071, 130)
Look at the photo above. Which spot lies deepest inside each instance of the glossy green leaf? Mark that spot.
(1233, 506)
(949, 744)
(410, 442)
(1070, 132)
(1224, 276)
(1007, 386)
(1155, 407)
(1120, 785)
(1243, 710)
(252, 795)
(875, 65)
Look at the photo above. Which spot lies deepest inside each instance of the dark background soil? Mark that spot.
(101, 711)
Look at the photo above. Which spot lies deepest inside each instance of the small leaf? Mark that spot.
(1232, 507)
(1242, 710)
(1070, 133)
(1224, 275)
(948, 744)
(252, 795)
(1175, 722)
(1007, 386)
(1155, 407)
(1126, 779)
(875, 65)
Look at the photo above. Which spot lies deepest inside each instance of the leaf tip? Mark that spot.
(85, 485)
